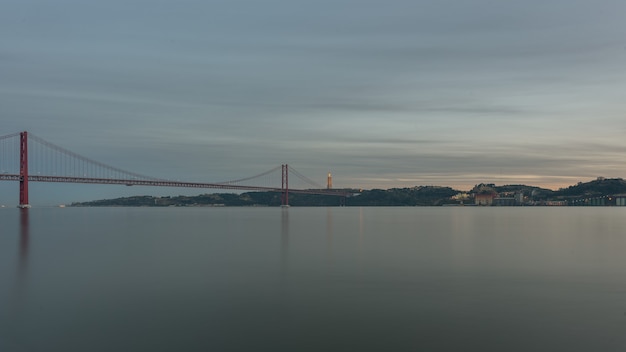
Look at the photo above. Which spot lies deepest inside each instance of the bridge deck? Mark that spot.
(166, 183)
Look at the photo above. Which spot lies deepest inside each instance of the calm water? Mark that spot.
(313, 279)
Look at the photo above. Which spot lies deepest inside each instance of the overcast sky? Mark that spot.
(381, 93)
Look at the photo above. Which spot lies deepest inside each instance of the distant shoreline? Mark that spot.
(600, 192)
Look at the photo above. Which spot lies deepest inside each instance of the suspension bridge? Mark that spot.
(26, 158)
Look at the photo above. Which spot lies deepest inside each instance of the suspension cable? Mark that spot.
(305, 179)
(251, 177)
(92, 162)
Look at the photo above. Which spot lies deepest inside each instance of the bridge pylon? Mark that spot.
(24, 171)
(284, 186)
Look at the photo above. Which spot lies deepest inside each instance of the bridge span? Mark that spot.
(22, 152)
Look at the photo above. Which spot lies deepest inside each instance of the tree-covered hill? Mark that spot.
(599, 187)
(415, 196)
(392, 197)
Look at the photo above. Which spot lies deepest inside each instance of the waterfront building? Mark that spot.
(484, 198)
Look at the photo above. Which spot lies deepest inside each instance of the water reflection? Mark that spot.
(360, 230)
(18, 293)
(22, 263)
(22, 267)
(284, 239)
(329, 235)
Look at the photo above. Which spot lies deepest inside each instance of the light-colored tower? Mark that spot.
(329, 181)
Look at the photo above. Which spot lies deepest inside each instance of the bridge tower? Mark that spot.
(285, 185)
(24, 170)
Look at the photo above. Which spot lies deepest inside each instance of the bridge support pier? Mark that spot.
(285, 186)
(24, 171)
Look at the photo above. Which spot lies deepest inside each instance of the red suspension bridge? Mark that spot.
(26, 158)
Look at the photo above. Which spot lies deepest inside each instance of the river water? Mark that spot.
(313, 279)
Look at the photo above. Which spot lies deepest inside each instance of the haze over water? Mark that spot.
(313, 279)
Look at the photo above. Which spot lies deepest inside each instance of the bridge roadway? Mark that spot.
(166, 183)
